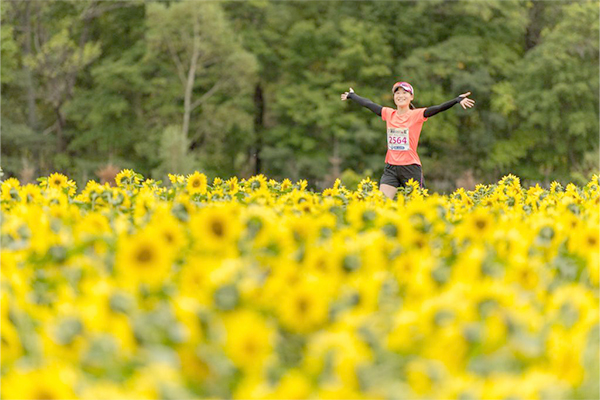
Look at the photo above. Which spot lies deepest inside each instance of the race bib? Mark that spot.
(398, 139)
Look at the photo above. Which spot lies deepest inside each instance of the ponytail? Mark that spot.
(411, 106)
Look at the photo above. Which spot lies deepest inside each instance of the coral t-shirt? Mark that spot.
(403, 133)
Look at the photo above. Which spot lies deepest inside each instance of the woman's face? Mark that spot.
(402, 97)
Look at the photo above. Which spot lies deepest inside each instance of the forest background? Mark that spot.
(247, 87)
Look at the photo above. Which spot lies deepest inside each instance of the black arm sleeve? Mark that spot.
(431, 111)
(376, 108)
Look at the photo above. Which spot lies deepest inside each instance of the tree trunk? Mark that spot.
(335, 160)
(259, 126)
(536, 23)
(187, 100)
(31, 111)
(60, 139)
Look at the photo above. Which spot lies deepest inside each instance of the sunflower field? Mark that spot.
(263, 289)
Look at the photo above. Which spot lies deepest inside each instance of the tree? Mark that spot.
(57, 47)
(556, 88)
(108, 110)
(202, 65)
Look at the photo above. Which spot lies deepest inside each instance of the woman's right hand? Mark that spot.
(345, 95)
(465, 102)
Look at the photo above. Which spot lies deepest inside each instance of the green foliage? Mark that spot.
(558, 91)
(351, 178)
(9, 49)
(174, 153)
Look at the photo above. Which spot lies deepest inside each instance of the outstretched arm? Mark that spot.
(464, 101)
(376, 108)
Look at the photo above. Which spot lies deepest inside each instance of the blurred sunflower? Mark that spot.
(127, 177)
(52, 382)
(286, 184)
(305, 307)
(249, 340)
(176, 179)
(231, 185)
(216, 228)
(143, 257)
(10, 189)
(196, 183)
(257, 182)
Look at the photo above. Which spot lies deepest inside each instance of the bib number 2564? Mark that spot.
(398, 139)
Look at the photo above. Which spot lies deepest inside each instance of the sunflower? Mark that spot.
(10, 189)
(302, 184)
(11, 345)
(193, 367)
(171, 232)
(127, 177)
(257, 182)
(231, 185)
(585, 240)
(92, 191)
(249, 339)
(286, 184)
(564, 350)
(49, 382)
(57, 181)
(337, 352)
(367, 185)
(92, 225)
(143, 257)
(325, 261)
(479, 223)
(330, 192)
(574, 307)
(294, 384)
(590, 242)
(150, 184)
(216, 227)
(194, 278)
(196, 183)
(305, 307)
(176, 179)
(421, 375)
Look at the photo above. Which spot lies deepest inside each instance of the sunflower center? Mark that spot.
(217, 228)
(480, 224)
(196, 183)
(250, 347)
(144, 255)
(57, 182)
(44, 394)
(303, 305)
(322, 264)
(592, 241)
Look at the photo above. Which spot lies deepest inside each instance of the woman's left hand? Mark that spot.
(466, 102)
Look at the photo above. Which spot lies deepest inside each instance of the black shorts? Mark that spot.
(398, 175)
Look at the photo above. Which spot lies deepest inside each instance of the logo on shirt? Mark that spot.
(397, 139)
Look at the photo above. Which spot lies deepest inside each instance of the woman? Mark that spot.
(403, 130)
